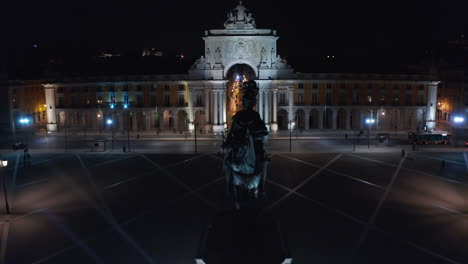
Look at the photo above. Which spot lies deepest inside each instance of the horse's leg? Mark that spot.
(237, 196)
(263, 176)
(229, 181)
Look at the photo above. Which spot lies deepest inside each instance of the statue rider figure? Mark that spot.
(245, 161)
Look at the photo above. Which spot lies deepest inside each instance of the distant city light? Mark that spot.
(99, 115)
(24, 121)
(109, 121)
(112, 106)
(458, 119)
(125, 106)
(35, 45)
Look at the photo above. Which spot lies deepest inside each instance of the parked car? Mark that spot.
(466, 143)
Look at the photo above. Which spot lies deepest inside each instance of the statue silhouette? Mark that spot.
(245, 161)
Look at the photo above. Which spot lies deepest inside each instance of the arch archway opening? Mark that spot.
(236, 75)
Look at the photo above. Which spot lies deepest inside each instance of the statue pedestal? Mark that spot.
(52, 127)
(208, 128)
(218, 129)
(263, 65)
(274, 127)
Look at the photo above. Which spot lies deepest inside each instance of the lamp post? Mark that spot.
(354, 141)
(369, 122)
(24, 122)
(458, 120)
(291, 127)
(195, 134)
(126, 106)
(110, 122)
(4, 164)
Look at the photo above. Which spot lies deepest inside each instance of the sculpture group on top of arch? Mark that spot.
(240, 18)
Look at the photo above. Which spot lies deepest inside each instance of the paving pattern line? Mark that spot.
(412, 170)
(188, 188)
(108, 214)
(376, 212)
(337, 211)
(435, 158)
(335, 172)
(124, 223)
(115, 160)
(73, 237)
(421, 248)
(304, 182)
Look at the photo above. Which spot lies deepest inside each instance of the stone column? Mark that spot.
(207, 106)
(190, 110)
(216, 108)
(274, 125)
(148, 121)
(260, 104)
(348, 119)
(267, 107)
(291, 103)
(431, 106)
(320, 119)
(307, 115)
(50, 102)
(335, 119)
(223, 113)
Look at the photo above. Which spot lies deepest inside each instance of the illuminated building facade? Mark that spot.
(209, 95)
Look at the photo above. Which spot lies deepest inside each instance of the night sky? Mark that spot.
(306, 28)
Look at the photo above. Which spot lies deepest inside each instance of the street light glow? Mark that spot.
(4, 163)
(370, 121)
(112, 106)
(24, 121)
(458, 119)
(125, 106)
(109, 121)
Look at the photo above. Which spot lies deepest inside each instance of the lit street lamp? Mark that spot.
(24, 122)
(369, 122)
(4, 164)
(110, 122)
(291, 127)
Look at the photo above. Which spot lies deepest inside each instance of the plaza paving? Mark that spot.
(152, 208)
